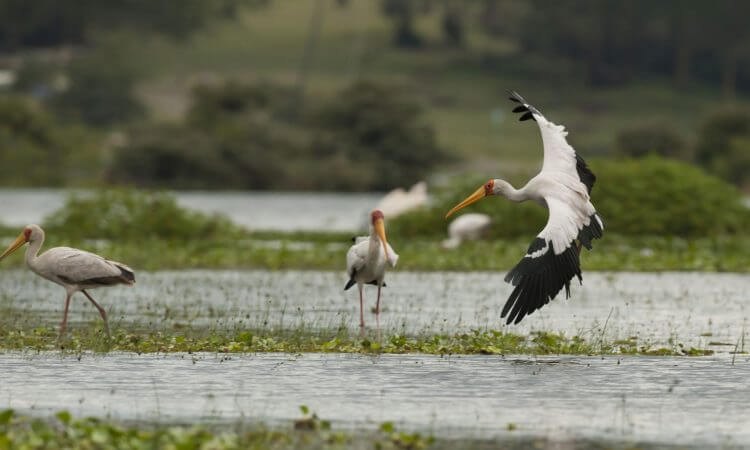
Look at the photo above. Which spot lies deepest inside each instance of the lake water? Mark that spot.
(700, 401)
(286, 211)
(684, 401)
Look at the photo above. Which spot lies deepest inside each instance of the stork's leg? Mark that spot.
(101, 311)
(64, 324)
(361, 313)
(377, 308)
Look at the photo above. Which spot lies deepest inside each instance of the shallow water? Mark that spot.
(284, 211)
(703, 310)
(699, 401)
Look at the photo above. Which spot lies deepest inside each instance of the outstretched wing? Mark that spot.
(551, 261)
(559, 156)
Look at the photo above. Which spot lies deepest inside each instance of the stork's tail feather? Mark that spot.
(126, 274)
(349, 284)
(524, 107)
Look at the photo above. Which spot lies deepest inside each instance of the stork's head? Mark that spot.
(378, 224)
(487, 189)
(30, 233)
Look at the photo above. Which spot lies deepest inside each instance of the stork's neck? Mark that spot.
(505, 189)
(33, 251)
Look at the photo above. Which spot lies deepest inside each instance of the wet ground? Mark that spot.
(702, 310)
(285, 211)
(699, 401)
(696, 401)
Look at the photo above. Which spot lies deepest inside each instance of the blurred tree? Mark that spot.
(657, 138)
(54, 23)
(382, 132)
(100, 90)
(403, 14)
(35, 151)
(723, 145)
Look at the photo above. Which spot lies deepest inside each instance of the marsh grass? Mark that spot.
(340, 340)
(310, 251)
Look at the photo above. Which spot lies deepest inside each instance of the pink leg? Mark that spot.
(377, 308)
(361, 314)
(64, 323)
(102, 312)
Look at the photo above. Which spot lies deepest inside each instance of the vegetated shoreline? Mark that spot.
(326, 251)
(244, 341)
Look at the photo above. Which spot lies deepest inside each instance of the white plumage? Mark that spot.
(563, 186)
(467, 227)
(73, 269)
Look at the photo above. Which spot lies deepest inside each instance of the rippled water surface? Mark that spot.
(699, 401)
(695, 309)
(284, 211)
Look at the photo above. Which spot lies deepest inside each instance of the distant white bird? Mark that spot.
(467, 227)
(73, 269)
(366, 261)
(399, 201)
(563, 187)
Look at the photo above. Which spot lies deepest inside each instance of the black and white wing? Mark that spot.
(551, 261)
(559, 156)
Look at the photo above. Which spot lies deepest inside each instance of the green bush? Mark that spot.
(126, 215)
(650, 196)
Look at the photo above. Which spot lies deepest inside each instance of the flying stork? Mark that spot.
(563, 186)
(73, 269)
(366, 261)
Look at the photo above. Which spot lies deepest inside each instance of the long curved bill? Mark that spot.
(380, 229)
(20, 240)
(473, 198)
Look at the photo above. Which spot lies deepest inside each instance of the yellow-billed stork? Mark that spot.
(367, 259)
(73, 269)
(563, 186)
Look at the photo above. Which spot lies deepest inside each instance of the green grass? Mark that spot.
(128, 338)
(327, 251)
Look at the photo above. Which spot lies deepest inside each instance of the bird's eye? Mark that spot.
(27, 233)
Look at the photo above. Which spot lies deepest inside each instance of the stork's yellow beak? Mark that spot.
(20, 240)
(380, 229)
(473, 198)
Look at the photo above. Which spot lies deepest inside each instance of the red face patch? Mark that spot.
(27, 234)
(488, 187)
(377, 214)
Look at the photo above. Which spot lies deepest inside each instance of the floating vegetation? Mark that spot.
(489, 342)
(64, 431)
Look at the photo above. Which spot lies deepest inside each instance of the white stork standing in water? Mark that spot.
(73, 269)
(563, 187)
(366, 261)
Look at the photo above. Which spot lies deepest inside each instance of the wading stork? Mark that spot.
(73, 269)
(563, 187)
(367, 259)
